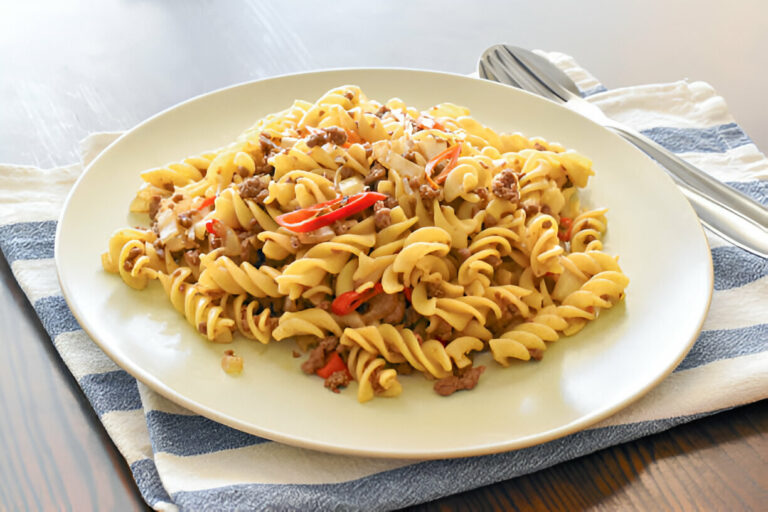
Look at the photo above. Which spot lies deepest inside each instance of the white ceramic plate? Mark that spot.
(582, 379)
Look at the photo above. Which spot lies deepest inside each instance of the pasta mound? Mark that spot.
(383, 239)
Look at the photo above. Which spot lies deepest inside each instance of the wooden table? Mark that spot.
(71, 68)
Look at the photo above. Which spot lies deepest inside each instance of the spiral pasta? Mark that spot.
(383, 239)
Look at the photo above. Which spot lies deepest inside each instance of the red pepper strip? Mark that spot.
(565, 226)
(214, 227)
(428, 123)
(207, 202)
(408, 292)
(334, 364)
(323, 214)
(349, 301)
(352, 138)
(451, 153)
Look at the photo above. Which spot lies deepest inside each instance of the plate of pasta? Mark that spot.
(384, 262)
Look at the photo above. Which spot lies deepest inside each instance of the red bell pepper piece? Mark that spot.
(323, 214)
(215, 227)
(452, 153)
(428, 123)
(408, 292)
(349, 301)
(335, 364)
(207, 202)
(352, 138)
(565, 229)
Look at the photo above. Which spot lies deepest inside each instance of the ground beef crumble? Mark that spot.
(319, 354)
(465, 379)
(505, 186)
(338, 380)
(332, 134)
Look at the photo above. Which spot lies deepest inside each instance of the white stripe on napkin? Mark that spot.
(30, 194)
(739, 307)
(128, 429)
(37, 278)
(700, 389)
(82, 356)
(278, 464)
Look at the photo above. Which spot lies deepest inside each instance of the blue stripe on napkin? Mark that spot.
(420, 481)
(727, 258)
(111, 391)
(715, 345)
(757, 189)
(28, 240)
(149, 483)
(171, 434)
(594, 90)
(55, 315)
(716, 139)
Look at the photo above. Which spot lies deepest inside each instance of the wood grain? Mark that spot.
(55, 452)
(715, 463)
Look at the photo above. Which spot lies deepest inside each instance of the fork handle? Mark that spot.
(727, 212)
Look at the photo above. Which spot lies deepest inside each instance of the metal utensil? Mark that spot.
(725, 211)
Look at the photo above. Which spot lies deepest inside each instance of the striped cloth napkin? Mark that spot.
(184, 461)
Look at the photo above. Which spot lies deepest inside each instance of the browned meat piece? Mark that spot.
(411, 317)
(536, 353)
(251, 187)
(154, 206)
(343, 226)
(377, 387)
(538, 147)
(382, 217)
(505, 186)
(435, 290)
(410, 156)
(185, 219)
(319, 354)
(177, 197)
(382, 110)
(192, 257)
(493, 261)
(403, 368)
(466, 379)
(332, 134)
(385, 308)
(427, 192)
(337, 380)
(159, 248)
(464, 254)
(132, 254)
(531, 209)
(378, 172)
(289, 305)
(443, 330)
(268, 146)
(482, 193)
(346, 172)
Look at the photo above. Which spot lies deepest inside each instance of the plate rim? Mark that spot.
(176, 397)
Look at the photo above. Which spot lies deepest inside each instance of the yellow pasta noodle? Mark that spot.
(383, 239)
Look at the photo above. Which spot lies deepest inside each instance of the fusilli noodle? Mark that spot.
(385, 240)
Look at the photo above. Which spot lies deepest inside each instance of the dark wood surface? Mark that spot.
(70, 68)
